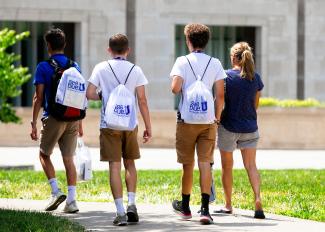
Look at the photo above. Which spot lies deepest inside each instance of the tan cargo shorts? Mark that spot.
(115, 144)
(63, 133)
(191, 136)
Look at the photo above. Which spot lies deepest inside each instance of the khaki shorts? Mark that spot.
(115, 145)
(64, 133)
(191, 136)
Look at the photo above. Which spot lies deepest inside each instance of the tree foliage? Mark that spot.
(11, 75)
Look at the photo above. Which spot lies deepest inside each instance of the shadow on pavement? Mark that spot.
(266, 219)
(102, 221)
(245, 224)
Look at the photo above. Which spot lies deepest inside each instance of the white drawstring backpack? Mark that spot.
(120, 112)
(72, 89)
(198, 104)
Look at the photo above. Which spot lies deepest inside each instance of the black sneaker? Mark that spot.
(132, 214)
(205, 217)
(259, 214)
(177, 206)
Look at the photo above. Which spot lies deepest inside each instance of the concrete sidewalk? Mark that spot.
(99, 217)
(155, 158)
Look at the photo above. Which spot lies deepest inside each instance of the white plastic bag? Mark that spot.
(120, 112)
(83, 161)
(72, 89)
(198, 104)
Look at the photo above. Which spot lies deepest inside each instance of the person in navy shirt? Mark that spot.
(238, 127)
(54, 131)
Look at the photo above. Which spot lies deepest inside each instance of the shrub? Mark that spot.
(94, 104)
(11, 77)
(290, 103)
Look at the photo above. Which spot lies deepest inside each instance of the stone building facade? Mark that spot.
(314, 49)
(287, 35)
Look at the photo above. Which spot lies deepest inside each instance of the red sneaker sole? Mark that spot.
(184, 217)
(205, 220)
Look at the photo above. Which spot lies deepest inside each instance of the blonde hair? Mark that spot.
(243, 53)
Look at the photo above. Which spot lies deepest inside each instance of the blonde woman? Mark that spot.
(238, 127)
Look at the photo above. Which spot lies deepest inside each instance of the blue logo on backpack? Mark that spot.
(198, 107)
(122, 110)
(204, 106)
(76, 86)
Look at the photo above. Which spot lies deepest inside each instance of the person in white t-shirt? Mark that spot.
(186, 70)
(116, 144)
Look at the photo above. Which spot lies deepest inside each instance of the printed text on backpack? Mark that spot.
(58, 110)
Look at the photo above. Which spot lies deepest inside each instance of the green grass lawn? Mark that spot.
(297, 193)
(36, 222)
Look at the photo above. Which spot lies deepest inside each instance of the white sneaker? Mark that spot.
(71, 207)
(55, 201)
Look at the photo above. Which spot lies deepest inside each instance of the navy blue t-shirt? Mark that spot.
(239, 114)
(43, 75)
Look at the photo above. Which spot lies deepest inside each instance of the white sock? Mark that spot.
(119, 206)
(131, 198)
(71, 194)
(54, 186)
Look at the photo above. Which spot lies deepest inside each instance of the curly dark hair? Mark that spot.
(56, 38)
(119, 43)
(197, 34)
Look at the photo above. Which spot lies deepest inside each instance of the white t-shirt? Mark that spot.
(199, 62)
(103, 78)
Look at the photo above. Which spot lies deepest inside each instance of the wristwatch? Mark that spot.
(217, 121)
